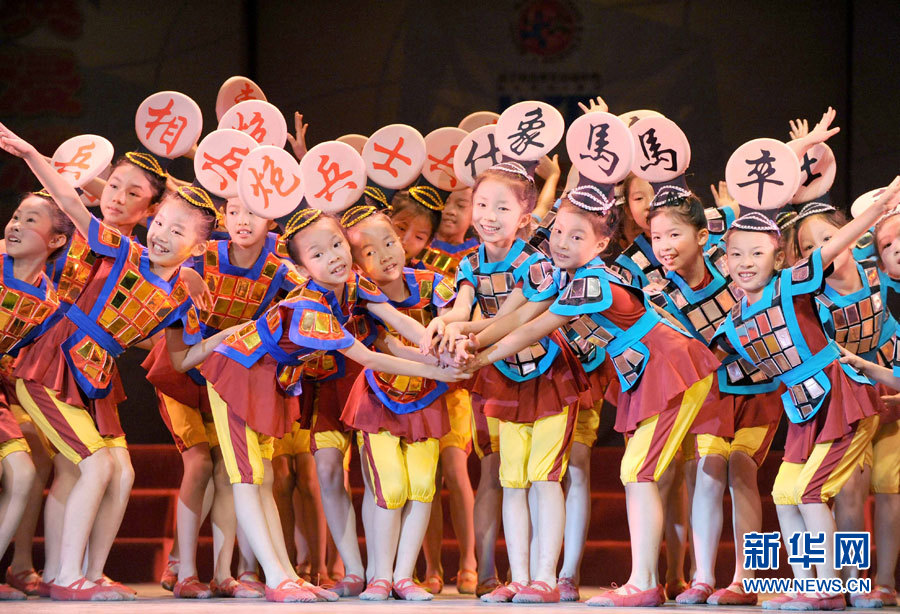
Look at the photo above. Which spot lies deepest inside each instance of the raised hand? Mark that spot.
(10, 142)
(298, 142)
(594, 106)
(548, 167)
(722, 197)
(799, 129)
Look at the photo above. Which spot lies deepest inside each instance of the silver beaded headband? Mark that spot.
(590, 198)
(669, 195)
(512, 167)
(755, 222)
(814, 208)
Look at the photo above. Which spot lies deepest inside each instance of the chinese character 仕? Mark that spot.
(806, 167)
(528, 132)
(276, 179)
(228, 164)
(492, 152)
(253, 127)
(761, 550)
(445, 165)
(173, 125)
(851, 548)
(79, 161)
(653, 151)
(331, 175)
(392, 154)
(606, 160)
(806, 549)
(762, 169)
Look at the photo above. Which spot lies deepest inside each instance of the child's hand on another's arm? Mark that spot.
(449, 374)
(197, 288)
(298, 142)
(891, 400)
(853, 360)
(434, 332)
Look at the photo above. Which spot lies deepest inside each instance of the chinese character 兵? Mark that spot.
(597, 142)
(763, 169)
(851, 548)
(174, 125)
(229, 164)
(331, 175)
(652, 150)
(529, 130)
(392, 154)
(276, 180)
(761, 550)
(806, 549)
(79, 161)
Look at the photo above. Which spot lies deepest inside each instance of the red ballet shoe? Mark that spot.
(878, 597)
(815, 601)
(483, 588)
(434, 584)
(350, 585)
(169, 576)
(322, 594)
(9, 593)
(231, 588)
(631, 597)
(377, 590)
(252, 579)
(568, 590)
(503, 594)
(698, 593)
(537, 592)
(673, 589)
(727, 596)
(191, 588)
(407, 590)
(27, 581)
(44, 589)
(128, 593)
(776, 602)
(77, 592)
(289, 592)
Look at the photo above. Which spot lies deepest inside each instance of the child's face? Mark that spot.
(244, 227)
(29, 233)
(497, 213)
(816, 232)
(414, 230)
(173, 236)
(127, 197)
(377, 249)
(573, 242)
(752, 259)
(457, 215)
(640, 193)
(887, 241)
(324, 252)
(676, 244)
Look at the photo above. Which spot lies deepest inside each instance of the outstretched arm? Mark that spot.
(502, 326)
(391, 364)
(409, 329)
(64, 194)
(520, 339)
(820, 133)
(857, 227)
(185, 357)
(880, 374)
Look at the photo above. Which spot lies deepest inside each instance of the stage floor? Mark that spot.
(154, 600)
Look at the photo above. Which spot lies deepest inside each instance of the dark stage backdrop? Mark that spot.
(725, 72)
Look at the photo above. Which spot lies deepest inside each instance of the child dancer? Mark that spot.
(831, 410)
(699, 292)
(135, 293)
(597, 307)
(399, 420)
(451, 244)
(245, 276)
(268, 350)
(36, 232)
(534, 395)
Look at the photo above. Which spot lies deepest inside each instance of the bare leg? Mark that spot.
(517, 530)
(18, 477)
(850, 509)
(24, 537)
(552, 506)
(80, 513)
(110, 513)
(676, 519)
(887, 538)
(578, 510)
(534, 549)
(746, 509)
(253, 518)
(386, 535)
(434, 535)
(65, 475)
(283, 491)
(338, 508)
(706, 515)
(198, 468)
(313, 518)
(791, 521)
(462, 502)
(223, 516)
(818, 519)
(487, 505)
(645, 526)
(413, 524)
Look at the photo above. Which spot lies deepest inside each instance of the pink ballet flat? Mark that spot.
(632, 597)
(350, 586)
(727, 596)
(698, 593)
(537, 592)
(407, 590)
(377, 590)
(503, 594)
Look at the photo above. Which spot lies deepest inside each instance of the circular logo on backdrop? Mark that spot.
(547, 29)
